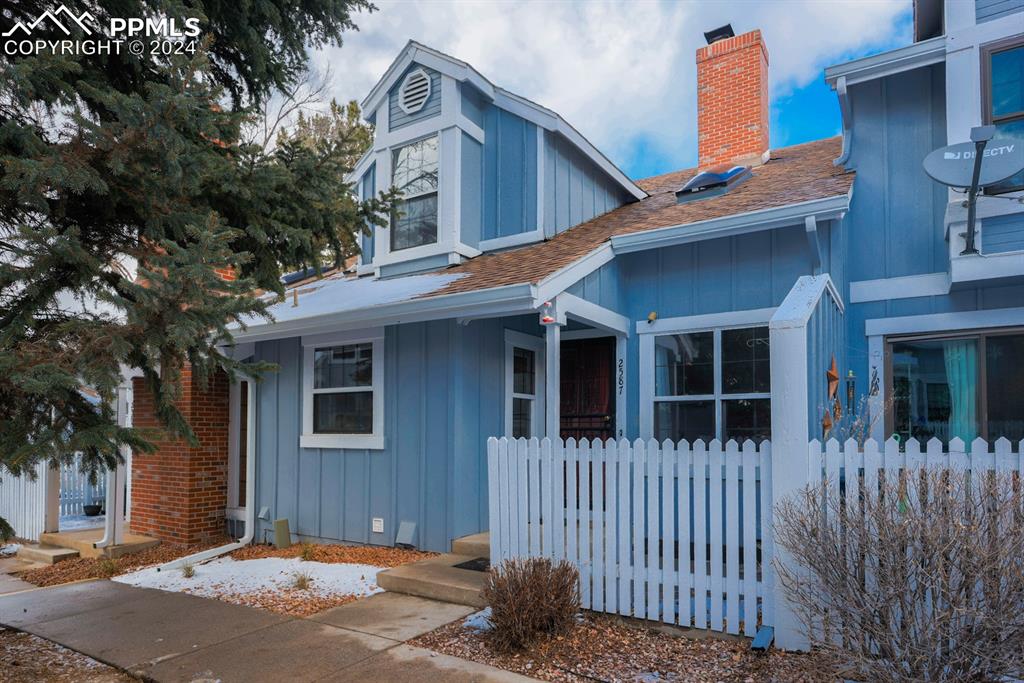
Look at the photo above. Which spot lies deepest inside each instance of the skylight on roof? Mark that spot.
(712, 183)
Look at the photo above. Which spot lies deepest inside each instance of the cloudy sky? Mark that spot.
(623, 73)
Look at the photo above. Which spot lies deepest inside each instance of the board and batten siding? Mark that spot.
(369, 189)
(397, 118)
(895, 226)
(575, 190)
(509, 174)
(987, 10)
(443, 397)
(1000, 234)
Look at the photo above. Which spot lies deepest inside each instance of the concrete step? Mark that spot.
(438, 579)
(83, 542)
(45, 554)
(475, 545)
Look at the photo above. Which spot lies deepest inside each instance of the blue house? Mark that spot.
(528, 287)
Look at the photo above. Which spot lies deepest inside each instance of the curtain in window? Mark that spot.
(961, 358)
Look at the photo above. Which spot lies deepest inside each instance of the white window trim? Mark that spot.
(372, 441)
(439, 239)
(714, 323)
(514, 340)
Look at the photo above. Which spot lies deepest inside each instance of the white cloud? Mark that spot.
(622, 73)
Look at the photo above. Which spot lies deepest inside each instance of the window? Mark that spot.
(414, 173)
(524, 385)
(957, 385)
(343, 405)
(712, 384)
(1003, 97)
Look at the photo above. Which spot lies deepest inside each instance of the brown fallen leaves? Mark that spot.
(103, 568)
(27, 659)
(377, 556)
(603, 648)
(290, 602)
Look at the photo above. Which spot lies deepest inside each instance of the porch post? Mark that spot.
(789, 448)
(552, 380)
(51, 511)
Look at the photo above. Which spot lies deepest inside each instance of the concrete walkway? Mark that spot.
(178, 637)
(9, 583)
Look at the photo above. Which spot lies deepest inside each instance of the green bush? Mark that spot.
(6, 531)
(529, 599)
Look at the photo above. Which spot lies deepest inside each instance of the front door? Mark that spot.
(587, 398)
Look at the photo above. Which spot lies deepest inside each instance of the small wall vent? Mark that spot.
(414, 91)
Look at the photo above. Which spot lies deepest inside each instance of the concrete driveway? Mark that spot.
(178, 637)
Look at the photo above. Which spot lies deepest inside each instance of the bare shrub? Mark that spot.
(531, 598)
(302, 581)
(308, 552)
(188, 570)
(919, 580)
(107, 567)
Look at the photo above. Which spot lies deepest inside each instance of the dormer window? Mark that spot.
(414, 173)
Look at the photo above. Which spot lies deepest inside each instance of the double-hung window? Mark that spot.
(524, 385)
(343, 401)
(1002, 78)
(414, 172)
(711, 384)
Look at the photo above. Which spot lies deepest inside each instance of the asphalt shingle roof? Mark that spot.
(794, 174)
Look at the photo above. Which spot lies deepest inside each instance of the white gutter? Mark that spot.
(736, 224)
(250, 495)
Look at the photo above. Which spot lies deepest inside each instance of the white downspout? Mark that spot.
(113, 528)
(250, 496)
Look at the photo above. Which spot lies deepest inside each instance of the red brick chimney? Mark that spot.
(732, 101)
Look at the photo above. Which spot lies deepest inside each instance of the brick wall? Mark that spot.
(179, 492)
(732, 101)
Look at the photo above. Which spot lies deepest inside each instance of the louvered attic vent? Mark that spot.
(415, 91)
(712, 183)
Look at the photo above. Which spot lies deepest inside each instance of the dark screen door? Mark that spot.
(587, 398)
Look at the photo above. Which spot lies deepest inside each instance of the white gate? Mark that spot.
(659, 531)
(76, 491)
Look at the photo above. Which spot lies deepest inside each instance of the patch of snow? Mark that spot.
(76, 522)
(479, 621)
(338, 294)
(9, 549)
(228, 576)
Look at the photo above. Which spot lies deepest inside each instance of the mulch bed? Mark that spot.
(81, 568)
(603, 648)
(376, 556)
(26, 658)
(292, 602)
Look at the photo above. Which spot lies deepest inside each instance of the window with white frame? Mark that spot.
(524, 385)
(711, 384)
(414, 172)
(343, 402)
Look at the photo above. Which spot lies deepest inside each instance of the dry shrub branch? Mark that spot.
(531, 598)
(919, 580)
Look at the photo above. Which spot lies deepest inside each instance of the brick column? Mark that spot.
(179, 492)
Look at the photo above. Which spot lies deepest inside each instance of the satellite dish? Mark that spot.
(953, 165)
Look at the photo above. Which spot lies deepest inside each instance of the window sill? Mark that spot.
(346, 441)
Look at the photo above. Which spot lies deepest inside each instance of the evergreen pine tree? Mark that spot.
(126, 188)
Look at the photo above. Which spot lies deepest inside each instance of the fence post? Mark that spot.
(790, 425)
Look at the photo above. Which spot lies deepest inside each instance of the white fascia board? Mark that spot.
(592, 314)
(559, 281)
(493, 302)
(931, 51)
(706, 321)
(825, 209)
(944, 322)
(364, 163)
(421, 54)
(798, 306)
(905, 287)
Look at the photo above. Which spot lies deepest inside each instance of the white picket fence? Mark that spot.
(659, 531)
(23, 502)
(76, 491)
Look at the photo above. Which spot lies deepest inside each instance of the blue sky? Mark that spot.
(624, 73)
